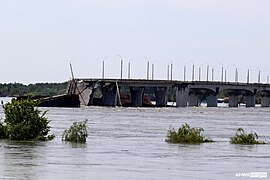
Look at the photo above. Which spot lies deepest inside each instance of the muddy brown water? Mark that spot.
(129, 143)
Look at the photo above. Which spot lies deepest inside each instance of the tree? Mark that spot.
(76, 133)
(241, 137)
(23, 121)
(186, 134)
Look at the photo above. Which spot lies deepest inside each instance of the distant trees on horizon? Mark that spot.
(38, 89)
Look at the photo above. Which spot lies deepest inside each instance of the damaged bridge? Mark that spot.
(107, 92)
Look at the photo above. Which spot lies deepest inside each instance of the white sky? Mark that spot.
(38, 38)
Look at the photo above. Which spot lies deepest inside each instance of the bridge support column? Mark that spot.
(250, 100)
(265, 101)
(91, 89)
(233, 100)
(211, 100)
(193, 100)
(91, 97)
(182, 96)
(137, 96)
(109, 96)
(86, 92)
(161, 96)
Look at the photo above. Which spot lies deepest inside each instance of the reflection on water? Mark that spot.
(129, 143)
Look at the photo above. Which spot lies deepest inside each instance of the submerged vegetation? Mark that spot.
(2, 130)
(245, 138)
(186, 134)
(23, 121)
(77, 132)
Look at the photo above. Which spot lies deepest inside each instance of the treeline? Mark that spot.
(38, 89)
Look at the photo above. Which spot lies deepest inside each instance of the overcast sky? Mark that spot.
(39, 38)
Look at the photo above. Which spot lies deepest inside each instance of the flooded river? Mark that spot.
(129, 143)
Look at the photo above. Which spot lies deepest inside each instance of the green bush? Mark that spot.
(76, 133)
(2, 130)
(186, 134)
(243, 138)
(23, 121)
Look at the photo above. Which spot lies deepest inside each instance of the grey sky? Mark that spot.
(38, 38)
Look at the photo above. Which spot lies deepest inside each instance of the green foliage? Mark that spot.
(243, 138)
(186, 134)
(76, 133)
(2, 130)
(23, 121)
(38, 89)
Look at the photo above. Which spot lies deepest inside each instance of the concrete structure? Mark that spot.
(187, 93)
(137, 96)
(182, 95)
(161, 96)
(265, 98)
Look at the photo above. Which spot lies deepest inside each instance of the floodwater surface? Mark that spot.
(129, 143)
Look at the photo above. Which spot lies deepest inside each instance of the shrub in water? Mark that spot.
(76, 133)
(2, 130)
(186, 134)
(23, 121)
(243, 138)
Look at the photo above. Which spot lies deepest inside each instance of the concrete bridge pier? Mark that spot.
(265, 98)
(91, 98)
(137, 96)
(161, 96)
(233, 100)
(85, 91)
(109, 96)
(211, 100)
(91, 87)
(265, 101)
(182, 96)
(250, 100)
(193, 99)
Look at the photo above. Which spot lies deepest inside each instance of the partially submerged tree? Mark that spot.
(186, 134)
(23, 121)
(245, 138)
(2, 130)
(77, 132)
